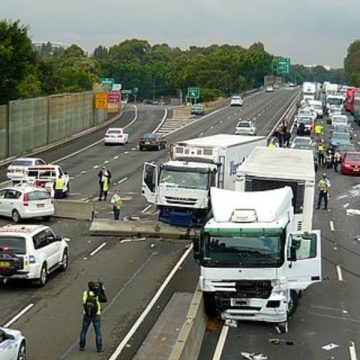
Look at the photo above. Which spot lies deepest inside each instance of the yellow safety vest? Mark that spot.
(117, 201)
(106, 184)
(59, 184)
(321, 149)
(272, 146)
(318, 129)
(84, 298)
(323, 185)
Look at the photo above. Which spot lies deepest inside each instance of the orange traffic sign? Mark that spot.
(101, 100)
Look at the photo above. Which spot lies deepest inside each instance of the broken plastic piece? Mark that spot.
(277, 341)
(253, 356)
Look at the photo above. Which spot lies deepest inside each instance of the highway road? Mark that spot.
(132, 271)
(326, 323)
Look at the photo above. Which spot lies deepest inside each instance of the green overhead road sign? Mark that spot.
(193, 92)
(126, 92)
(109, 82)
(282, 66)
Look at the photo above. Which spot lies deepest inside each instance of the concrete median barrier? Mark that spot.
(188, 343)
(74, 209)
(139, 228)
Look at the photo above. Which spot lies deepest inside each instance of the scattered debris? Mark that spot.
(278, 341)
(352, 212)
(253, 356)
(330, 346)
(231, 323)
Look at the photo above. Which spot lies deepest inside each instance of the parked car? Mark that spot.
(25, 202)
(12, 344)
(307, 111)
(343, 148)
(350, 164)
(269, 89)
(17, 169)
(245, 128)
(147, 102)
(304, 125)
(45, 176)
(152, 141)
(339, 138)
(276, 86)
(197, 109)
(236, 100)
(334, 112)
(302, 140)
(116, 136)
(342, 128)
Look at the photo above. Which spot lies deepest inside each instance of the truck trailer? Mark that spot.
(267, 169)
(254, 265)
(180, 188)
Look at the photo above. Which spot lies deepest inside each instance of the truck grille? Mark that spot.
(244, 289)
(180, 201)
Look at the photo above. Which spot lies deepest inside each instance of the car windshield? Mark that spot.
(347, 147)
(353, 156)
(248, 249)
(303, 147)
(332, 101)
(340, 136)
(243, 124)
(184, 179)
(148, 136)
(336, 120)
(22, 163)
(236, 98)
(38, 195)
(15, 244)
(305, 120)
(114, 131)
(302, 140)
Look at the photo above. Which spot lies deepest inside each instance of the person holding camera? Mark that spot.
(92, 299)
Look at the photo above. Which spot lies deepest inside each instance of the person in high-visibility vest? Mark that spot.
(105, 187)
(117, 203)
(323, 187)
(59, 186)
(321, 154)
(273, 143)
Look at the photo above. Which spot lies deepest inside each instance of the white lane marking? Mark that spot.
(211, 127)
(122, 180)
(141, 318)
(339, 273)
(84, 199)
(352, 351)
(162, 121)
(18, 315)
(95, 166)
(126, 152)
(116, 157)
(133, 149)
(332, 225)
(106, 161)
(98, 249)
(346, 205)
(220, 345)
(84, 172)
(146, 209)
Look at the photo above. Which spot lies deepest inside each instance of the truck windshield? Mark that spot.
(252, 249)
(184, 179)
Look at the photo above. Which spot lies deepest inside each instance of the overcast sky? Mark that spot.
(307, 31)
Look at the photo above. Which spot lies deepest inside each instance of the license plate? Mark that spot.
(147, 142)
(4, 264)
(40, 205)
(356, 169)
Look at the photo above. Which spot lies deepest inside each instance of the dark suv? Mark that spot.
(152, 141)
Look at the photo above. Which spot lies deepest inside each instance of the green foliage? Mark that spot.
(16, 56)
(352, 63)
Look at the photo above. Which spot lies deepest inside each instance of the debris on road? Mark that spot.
(330, 346)
(253, 356)
(278, 341)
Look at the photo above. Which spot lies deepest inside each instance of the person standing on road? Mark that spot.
(92, 299)
(117, 203)
(321, 153)
(323, 187)
(337, 159)
(273, 143)
(104, 176)
(59, 186)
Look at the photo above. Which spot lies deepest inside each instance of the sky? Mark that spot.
(307, 31)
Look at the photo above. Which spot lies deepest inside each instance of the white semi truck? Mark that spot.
(309, 91)
(267, 169)
(180, 188)
(254, 264)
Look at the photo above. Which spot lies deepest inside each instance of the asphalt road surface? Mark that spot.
(132, 271)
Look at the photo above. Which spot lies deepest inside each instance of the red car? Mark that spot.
(351, 163)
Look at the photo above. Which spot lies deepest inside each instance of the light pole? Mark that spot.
(154, 84)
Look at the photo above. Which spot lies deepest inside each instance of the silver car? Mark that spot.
(12, 344)
(245, 128)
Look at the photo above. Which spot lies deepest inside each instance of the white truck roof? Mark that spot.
(269, 205)
(188, 164)
(279, 163)
(220, 140)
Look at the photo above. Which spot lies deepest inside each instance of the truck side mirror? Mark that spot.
(196, 248)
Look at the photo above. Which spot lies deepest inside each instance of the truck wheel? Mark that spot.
(293, 303)
(210, 304)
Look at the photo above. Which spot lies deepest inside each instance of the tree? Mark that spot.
(16, 55)
(352, 63)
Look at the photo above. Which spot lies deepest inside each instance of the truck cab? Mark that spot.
(253, 261)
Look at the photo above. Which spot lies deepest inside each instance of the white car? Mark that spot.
(31, 252)
(303, 140)
(25, 202)
(269, 89)
(307, 111)
(116, 136)
(17, 169)
(12, 344)
(340, 119)
(236, 101)
(245, 128)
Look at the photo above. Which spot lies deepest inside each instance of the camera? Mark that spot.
(97, 287)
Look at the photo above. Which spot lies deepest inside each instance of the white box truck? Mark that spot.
(267, 169)
(253, 263)
(180, 188)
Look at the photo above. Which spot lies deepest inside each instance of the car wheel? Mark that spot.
(293, 303)
(65, 261)
(43, 276)
(22, 352)
(15, 216)
(141, 148)
(159, 147)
